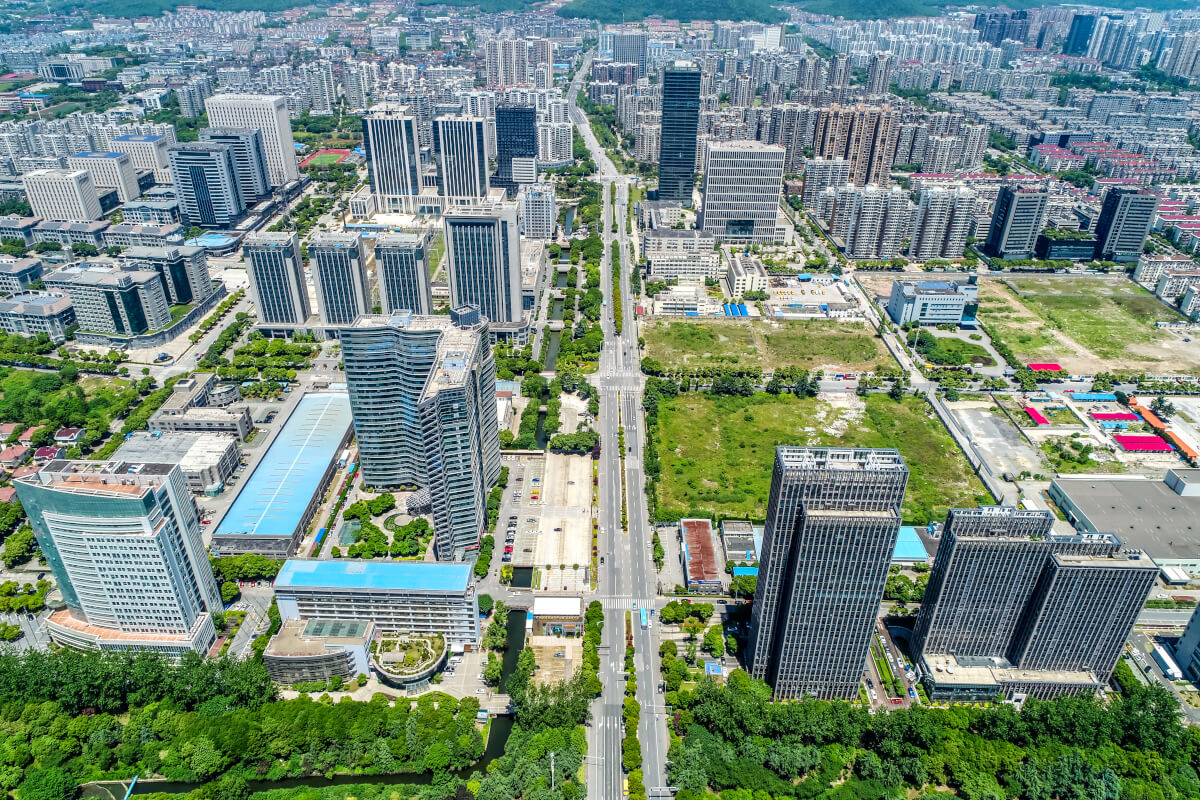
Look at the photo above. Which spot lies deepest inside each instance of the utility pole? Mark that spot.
(551, 770)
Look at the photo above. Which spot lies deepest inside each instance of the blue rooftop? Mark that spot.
(741, 571)
(138, 137)
(909, 546)
(98, 154)
(273, 500)
(357, 574)
(211, 240)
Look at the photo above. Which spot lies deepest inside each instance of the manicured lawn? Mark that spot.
(325, 159)
(717, 452)
(948, 350)
(810, 344)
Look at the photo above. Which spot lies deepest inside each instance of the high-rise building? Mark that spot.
(941, 223)
(871, 220)
(483, 260)
(539, 210)
(423, 393)
(630, 48)
(821, 174)
(879, 73)
(1124, 222)
(63, 195)
(249, 160)
(1012, 606)
(393, 156)
(123, 541)
(184, 270)
(148, 151)
(276, 274)
(1080, 35)
(206, 186)
(111, 299)
(679, 131)
(1018, 218)
(863, 135)
(461, 144)
(269, 115)
(339, 269)
(402, 271)
(506, 62)
(516, 144)
(832, 521)
(109, 171)
(555, 143)
(742, 184)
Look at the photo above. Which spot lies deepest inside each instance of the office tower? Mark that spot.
(821, 174)
(742, 184)
(249, 160)
(269, 115)
(863, 135)
(516, 141)
(393, 156)
(506, 62)
(680, 128)
(483, 260)
(461, 144)
(832, 521)
(1124, 222)
(63, 195)
(1012, 606)
(118, 300)
(941, 223)
(184, 271)
(539, 211)
(1017, 220)
(109, 171)
(123, 541)
(423, 393)
(630, 48)
(339, 269)
(402, 271)
(205, 178)
(879, 74)
(148, 151)
(1080, 35)
(276, 275)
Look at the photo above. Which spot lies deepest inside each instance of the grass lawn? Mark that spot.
(948, 350)
(808, 344)
(717, 452)
(1109, 318)
(325, 159)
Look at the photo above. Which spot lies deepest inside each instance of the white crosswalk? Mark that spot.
(622, 603)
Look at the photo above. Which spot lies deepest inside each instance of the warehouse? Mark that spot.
(397, 596)
(271, 513)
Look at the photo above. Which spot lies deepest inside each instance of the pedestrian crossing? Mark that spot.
(622, 603)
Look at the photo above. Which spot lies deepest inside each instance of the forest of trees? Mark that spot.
(736, 742)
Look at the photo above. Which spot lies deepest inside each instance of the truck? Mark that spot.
(1169, 667)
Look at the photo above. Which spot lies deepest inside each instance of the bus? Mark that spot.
(645, 620)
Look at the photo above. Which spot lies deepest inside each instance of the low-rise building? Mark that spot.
(933, 302)
(31, 313)
(744, 273)
(319, 649)
(701, 571)
(1152, 266)
(556, 616)
(206, 459)
(138, 234)
(689, 256)
(69, 233)
(397, 596)
(686, 301)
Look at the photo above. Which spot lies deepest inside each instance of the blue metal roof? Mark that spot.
(358, 574)
(909, 546)
(741, 571)
(274, 498)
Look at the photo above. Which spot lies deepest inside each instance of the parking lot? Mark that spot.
(556, 656)
(548, 522)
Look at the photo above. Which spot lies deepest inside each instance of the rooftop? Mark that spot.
(1145, 514)
(305, 637)
(273, 499)
(698, 550)
(99, 154)
(553, 606)
(40, 304)
(415, 576)
(840, 458)
(185, 449)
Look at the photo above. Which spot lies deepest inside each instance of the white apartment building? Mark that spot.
(267, 113)
(539, 210)
(62, 195)
(555, 144)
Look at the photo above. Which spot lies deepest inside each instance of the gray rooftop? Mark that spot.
(1145, 514)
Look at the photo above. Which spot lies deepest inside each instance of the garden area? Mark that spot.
(753, 346)
(716, 452)
(948, 351)
(1086, 324)
(408, 541)
(407, 656)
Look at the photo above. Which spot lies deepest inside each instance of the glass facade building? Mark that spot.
(680, 128)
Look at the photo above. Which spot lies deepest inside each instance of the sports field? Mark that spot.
(717, 452)
(1087, 324)
(324, 158)
(809, 344)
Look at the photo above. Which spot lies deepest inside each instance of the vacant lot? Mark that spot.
(810, 344)
(1088, 325)
(717, 452)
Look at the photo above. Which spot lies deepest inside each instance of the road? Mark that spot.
(628, 581)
